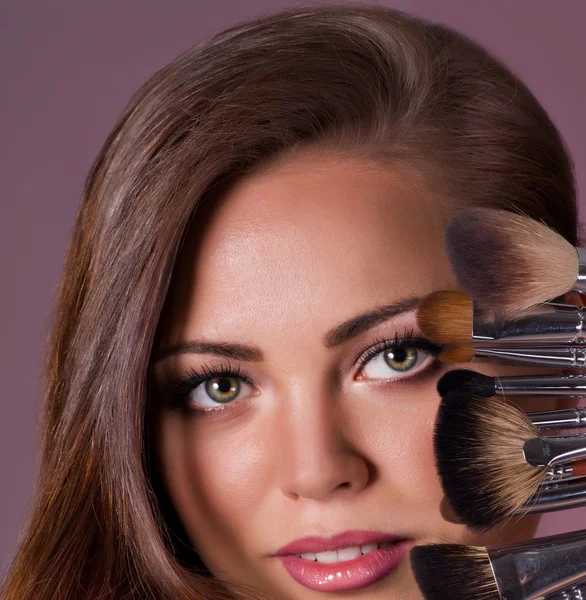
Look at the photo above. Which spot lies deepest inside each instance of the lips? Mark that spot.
(348, 561)
(346, 539)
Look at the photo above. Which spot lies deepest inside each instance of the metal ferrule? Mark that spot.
(560, 473)
(549, 323)
(577, 592)
(553, 497)
(570, 418)
(550, 451)
(568, 357)
(572, 386)
(542, 568)
(580, 285)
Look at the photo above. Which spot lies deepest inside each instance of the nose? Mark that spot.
(317, 458)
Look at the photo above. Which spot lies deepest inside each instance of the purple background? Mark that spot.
(69, 67)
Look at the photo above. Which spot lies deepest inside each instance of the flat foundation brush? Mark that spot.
(492, 460)
(552, 567)
(511, 262)
(451, 317)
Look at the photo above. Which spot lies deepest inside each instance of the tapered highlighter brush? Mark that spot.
(451, 317)
(558, 357)
(552, 568)
(511, 262)
(492, 460)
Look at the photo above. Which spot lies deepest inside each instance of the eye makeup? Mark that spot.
(406, 344)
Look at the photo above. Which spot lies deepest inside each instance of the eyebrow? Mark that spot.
(334, 337)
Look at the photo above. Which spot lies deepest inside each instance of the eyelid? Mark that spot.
(405, 338)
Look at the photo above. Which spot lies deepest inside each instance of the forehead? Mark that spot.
(296, 238)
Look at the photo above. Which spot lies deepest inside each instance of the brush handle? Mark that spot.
(542, 568)
(549, 323)
(580, 284)
(574, 593)
(562, 357)
(555, 497)
(573, 386)
(550, 451)
(559, 473)
(571, 418)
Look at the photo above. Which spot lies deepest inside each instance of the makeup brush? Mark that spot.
(478, 384)
(451, 317)
(492, 460)
(511, 262)
(465, 381)
(559, 357)
(552, 567)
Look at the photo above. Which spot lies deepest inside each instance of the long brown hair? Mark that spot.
(350, 78)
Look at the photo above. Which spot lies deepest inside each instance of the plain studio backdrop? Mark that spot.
(68, 67)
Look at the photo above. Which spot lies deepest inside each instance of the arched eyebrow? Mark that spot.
(334, 337)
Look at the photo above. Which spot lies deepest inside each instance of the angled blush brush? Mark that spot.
(487, 471)
(511, 262)
(451, 317)
(552, 567)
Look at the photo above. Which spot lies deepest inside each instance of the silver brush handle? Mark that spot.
(549, 323)
(560, 473)
(572, 386)
(555, 497)
(580, 284)
(550, 451)
(574, 593)
(571, 418)
(543, 568)
(568, 357)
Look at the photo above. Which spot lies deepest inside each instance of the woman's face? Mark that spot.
(313, 433)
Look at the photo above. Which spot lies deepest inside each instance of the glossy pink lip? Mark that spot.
(358, 573)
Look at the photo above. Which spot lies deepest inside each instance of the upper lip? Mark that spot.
(346, 539)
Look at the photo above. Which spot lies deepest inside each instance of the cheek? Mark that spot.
(398, 436)
(215, 479)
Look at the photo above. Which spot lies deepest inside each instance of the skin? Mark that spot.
(314, 446)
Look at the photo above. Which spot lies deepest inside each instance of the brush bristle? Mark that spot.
(508, 262)
(465, 380)
(457, 354)
(453, 572)
(446, 317)
(478, 445)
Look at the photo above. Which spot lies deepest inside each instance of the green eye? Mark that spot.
(223, 389)
(401, 358)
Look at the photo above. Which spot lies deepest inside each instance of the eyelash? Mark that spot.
(179, 388)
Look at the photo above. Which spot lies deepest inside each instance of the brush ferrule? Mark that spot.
(560, 496)
(575, 593)
(570, 418)
(572, 386)
(560, 473)
(580, 285)
(542, 568)
(569, 357)
(549, 323)
(550, 451)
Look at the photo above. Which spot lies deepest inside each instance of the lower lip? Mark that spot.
(355, 574)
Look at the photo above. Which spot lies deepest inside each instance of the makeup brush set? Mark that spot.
(496, 461)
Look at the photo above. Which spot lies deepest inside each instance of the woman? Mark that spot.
(238, 401)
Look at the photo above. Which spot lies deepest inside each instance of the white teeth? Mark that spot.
(349, 553)
(369, 548)
(332, 556)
